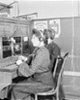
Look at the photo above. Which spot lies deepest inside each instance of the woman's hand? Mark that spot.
(18, 62)
(23, 58)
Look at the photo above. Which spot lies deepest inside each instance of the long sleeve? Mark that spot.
(54, 50)
(36, 65)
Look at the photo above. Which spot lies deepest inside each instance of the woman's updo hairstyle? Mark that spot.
(51, 33)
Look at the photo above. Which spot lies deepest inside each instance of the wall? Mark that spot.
(71, 41)
(46, 8)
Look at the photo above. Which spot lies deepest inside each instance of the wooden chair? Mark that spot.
(58, 70)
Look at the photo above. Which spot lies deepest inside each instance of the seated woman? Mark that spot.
(54, 49)
(38, 73)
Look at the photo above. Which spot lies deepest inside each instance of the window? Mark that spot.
(6, 47)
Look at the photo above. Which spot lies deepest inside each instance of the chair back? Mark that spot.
(58, 70)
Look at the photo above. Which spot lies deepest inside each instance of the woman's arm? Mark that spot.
(27, 70)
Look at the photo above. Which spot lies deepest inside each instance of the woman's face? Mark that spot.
(49, 40)
(35, 40)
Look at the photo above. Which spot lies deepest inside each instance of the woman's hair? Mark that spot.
(52, 33)
(49, 33)
(45, 33)
(37, 33)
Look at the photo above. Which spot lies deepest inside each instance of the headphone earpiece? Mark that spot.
(41, 39)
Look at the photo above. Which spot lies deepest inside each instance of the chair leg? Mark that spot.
(57, 95)
(54, 98)
(36, 97)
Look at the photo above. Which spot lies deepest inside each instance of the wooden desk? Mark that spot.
(6, 75)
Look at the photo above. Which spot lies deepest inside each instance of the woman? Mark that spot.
(55, 51)
(53, 48)
(39, 76)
